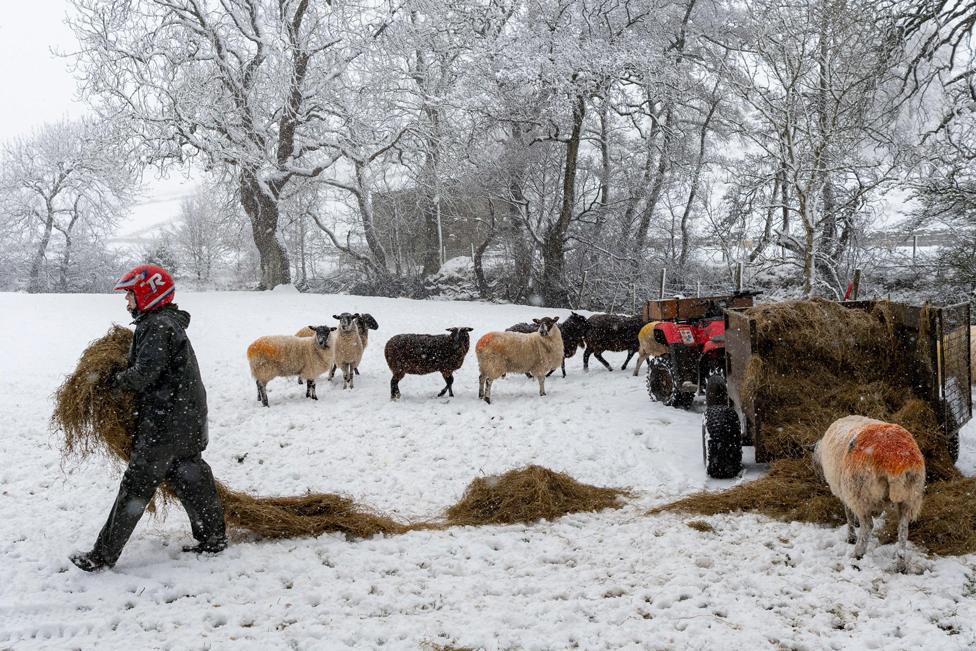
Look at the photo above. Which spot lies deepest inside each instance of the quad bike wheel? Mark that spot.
(721, 434)
(664, 386)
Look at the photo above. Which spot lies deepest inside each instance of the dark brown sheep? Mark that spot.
(573, 330)
(613, 332)
(422, 354)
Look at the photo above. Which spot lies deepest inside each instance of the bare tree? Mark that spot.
(243, 84)
(63, 178)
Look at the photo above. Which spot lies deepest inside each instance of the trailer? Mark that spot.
(732, 419)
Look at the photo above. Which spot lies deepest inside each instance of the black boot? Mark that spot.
(89, 561)
(208, 547)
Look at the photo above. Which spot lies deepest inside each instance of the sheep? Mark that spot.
(514, 352)
(422, 354)
(365, 322)
(611, 332)
(648, 346)
(573, 331)
(348, 346)
(279, 355)
(868, 464)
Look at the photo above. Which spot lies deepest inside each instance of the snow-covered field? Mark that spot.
(608, 580)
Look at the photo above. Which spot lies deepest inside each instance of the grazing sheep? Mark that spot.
(348, 346)
(611, 332)
(277, 356)
(573, 331)
(869, 464)
(422, 354)
(648, 346)
(514, 352)
(365, 322)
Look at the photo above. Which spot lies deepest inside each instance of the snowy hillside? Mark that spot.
(610, 580)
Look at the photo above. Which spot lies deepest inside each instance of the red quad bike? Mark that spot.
(693, 331)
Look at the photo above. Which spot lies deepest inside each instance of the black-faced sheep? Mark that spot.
(869, 464)
(537, 353)
(422, 354)
(280, 355)
(611, 332)
(365, 323)
(347, 344)
(573, 331)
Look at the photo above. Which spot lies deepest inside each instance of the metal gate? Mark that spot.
(954, 371)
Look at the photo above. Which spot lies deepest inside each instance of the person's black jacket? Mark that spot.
(171, 401)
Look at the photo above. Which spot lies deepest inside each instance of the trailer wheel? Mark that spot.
(663, 385)
(721, 434)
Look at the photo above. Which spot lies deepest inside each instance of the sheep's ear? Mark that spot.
(451, 329)
(312, 328)
(335, 316)
(331, 328)
(554, 320)
(467, 329)
(535, 321)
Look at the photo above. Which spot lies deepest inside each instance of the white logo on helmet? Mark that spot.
(155, 281)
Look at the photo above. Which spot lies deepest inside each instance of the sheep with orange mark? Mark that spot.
(536, 353)
(869, 464)
(649, 347)
(280, 355)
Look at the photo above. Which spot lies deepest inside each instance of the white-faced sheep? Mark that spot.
(422, 354)
(282, 355)
(347, 344)
(513, 352)
(869, 464)
(648, 346)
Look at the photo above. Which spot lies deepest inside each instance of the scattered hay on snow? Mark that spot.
(94, 419)
(526, 495)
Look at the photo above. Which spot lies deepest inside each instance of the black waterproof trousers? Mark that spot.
(190, 479)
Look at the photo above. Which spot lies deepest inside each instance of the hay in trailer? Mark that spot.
(817, 361)
(528, 494)
(95, 419)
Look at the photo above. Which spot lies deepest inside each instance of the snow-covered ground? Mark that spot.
(608, 580)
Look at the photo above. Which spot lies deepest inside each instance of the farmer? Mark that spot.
(171, 423)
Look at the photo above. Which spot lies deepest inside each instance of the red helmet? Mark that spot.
(151, 284)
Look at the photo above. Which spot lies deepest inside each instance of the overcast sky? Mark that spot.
(37, 88)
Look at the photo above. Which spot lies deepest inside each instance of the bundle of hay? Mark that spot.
(817, 361)
(97, 420)
(526, 495)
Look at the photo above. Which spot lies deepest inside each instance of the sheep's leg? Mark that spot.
(902, 553)
(865, 523)
(640, 360)
(355, 370)
(481, 386)
(630, 353)
(352, 376)
(395, 386)
(332, 372)
(488, 391)
(263, 393)
(542, 383)
(851, 535)
(564, 367)
(603, 361)
(259, 389)
(449, 380)
(586, 360)
(551, 371)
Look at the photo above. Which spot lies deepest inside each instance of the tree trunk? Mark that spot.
(364, 199)
(433, 228)
(695, 180)
(262, 210)
(554, 291)
(34, 285)
(662, 172)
